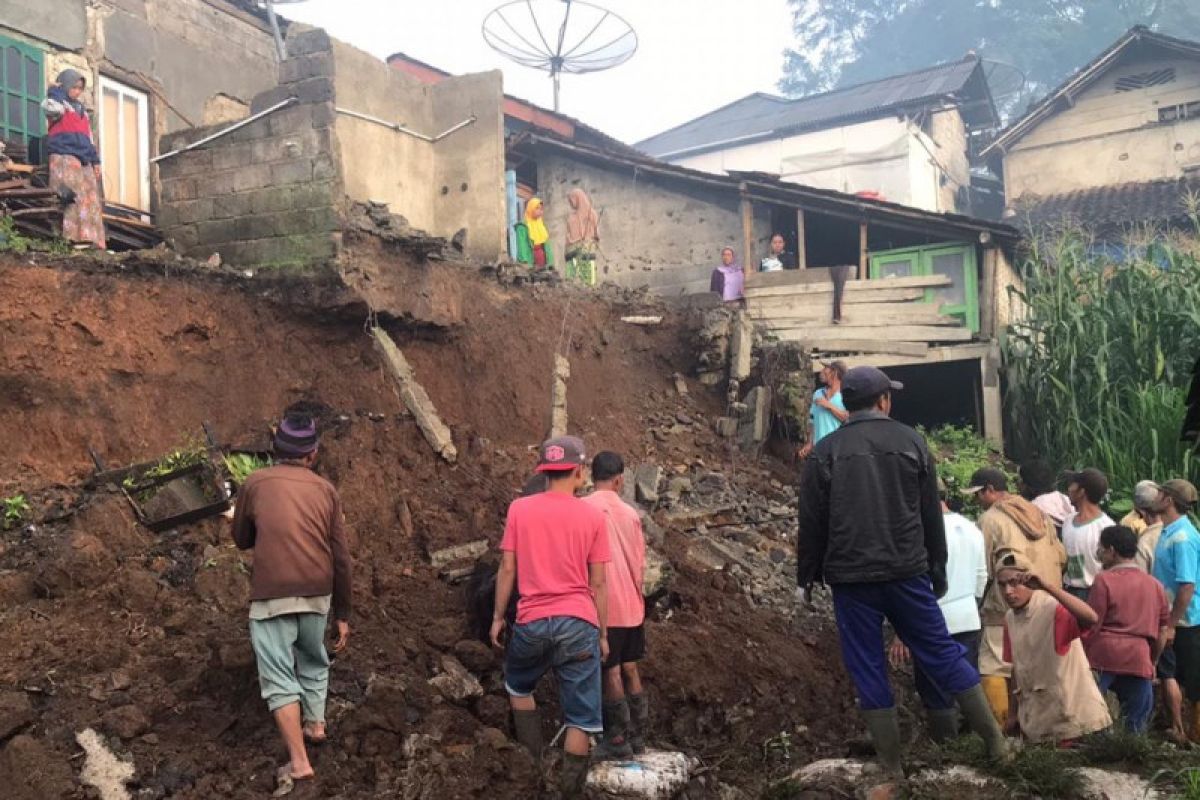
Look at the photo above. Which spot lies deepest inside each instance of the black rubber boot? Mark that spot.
(975, 709)
(639, 723)
(613, 746)
(884, 726)
(943, 724)
(573, 777)
(528, 726)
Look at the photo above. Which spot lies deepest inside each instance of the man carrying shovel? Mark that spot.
(292, 519)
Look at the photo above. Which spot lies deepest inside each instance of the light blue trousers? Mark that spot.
(293, 666)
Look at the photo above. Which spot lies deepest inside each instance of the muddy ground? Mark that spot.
(143, 636)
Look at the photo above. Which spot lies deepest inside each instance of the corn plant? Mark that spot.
(1100, 359)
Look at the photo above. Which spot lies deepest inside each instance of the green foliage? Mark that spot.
(13, 241)
(959, 452)
(1099, 363)
(15, 510)
(190, 455)
(843, 42)
(240, 465)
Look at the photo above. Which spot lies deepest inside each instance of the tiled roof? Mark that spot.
(1109, 209)
(759, 114)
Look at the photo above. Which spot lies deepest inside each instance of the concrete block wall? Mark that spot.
(653, 232)
(268, 194)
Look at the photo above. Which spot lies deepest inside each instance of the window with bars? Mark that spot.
(1181, 111)
(23, 85)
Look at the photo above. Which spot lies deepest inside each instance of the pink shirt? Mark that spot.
(555, 536)
(626, 606)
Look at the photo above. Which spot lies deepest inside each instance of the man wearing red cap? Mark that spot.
(292, 519)
(556, 551)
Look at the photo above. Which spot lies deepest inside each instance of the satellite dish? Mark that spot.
(558, 36)
(1004, 80)
(269, 5)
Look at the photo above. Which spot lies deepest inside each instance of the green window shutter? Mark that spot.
(22, 88)
(957, 261)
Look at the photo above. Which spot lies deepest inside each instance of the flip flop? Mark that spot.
(285, 781)
(312, 738)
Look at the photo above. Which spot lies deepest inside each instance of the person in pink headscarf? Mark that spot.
(728, 279)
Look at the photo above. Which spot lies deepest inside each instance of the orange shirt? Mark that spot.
(627, 543)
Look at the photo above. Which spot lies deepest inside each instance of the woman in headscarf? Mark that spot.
(538, 235)
(74, 162)
(728, 279)
(583, 238)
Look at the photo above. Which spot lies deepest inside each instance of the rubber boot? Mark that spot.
(1195, 717)
(573, 777)
(528, 726)
(883, 725)
(639, 724)
(975, 709)
(943, 724)
(613, 746)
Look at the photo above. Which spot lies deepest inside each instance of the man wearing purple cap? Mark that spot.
(870, 526)
(292, 519)
(556, 551)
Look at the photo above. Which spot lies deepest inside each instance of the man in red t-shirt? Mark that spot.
(555, 549)
(626, 713)
(1127, 641)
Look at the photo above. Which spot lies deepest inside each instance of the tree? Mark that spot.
(844, 42)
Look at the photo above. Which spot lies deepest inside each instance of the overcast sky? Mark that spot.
(693, 55)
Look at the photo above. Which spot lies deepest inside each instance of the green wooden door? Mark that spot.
(22, 87)
(955, 261)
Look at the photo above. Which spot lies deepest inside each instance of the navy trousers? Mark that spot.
(912, 609)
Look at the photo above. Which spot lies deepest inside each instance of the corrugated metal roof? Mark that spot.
(759, 114)
(1109, 209)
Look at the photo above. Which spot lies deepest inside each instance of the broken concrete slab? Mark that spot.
(705, 556)
(741, 346)
(415, 399)
(461, 552)
(726, 427)
(756, 419)
(681, 387)
(558, 396)
(646, 479)
(656, 573)
(654, 775)
(455, 683)
(103, 770)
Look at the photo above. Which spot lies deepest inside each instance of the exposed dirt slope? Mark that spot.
(143, 635)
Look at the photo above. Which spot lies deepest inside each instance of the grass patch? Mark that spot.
(15, 510)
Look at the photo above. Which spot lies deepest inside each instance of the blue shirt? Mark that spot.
(1177, 561)
(823, 420)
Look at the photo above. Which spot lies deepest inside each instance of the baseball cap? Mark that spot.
(837, 366)
(984, 477)
(1011, 559)
(1093, 482)
(1147, 495)
(561, 453)
(1180, 491)
(862, 382)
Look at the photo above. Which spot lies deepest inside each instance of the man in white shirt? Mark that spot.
(966, 577)
(1081, 530)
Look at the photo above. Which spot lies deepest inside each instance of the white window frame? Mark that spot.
(142, 99)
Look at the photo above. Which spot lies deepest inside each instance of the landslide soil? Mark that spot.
(143, 635)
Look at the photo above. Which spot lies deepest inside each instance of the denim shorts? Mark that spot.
(569, 646)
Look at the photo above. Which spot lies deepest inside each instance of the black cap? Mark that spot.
(863, 382)
(987, 477)
(561, 453)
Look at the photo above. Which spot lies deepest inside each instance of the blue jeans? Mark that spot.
(911, 607)
(569, 646)
(1136, 696)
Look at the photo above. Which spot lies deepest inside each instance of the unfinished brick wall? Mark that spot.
(267, 194)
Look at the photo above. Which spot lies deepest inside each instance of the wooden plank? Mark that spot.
(938, 354)
(801, 246)
(819, 332)
(789, 307)
(802, 282)
(909, 349)
(867, 319)
(747, 234)
(880, 295)
(863, 253)
(987, 294)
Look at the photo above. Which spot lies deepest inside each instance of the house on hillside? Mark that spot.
(1115, 147)
(905, 138)
(152, 67)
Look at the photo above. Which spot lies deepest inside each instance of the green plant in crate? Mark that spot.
(16, 510)
(240, 465)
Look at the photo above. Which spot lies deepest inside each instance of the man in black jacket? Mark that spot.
(871, 528)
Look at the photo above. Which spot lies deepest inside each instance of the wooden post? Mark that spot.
(801, 249)
(747, 232)
(987, 294)
(993, 405)
(862, 251)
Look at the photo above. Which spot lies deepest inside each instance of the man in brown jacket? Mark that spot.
(292, 519)
(1009, 523)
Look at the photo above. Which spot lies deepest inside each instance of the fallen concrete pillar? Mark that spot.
(741, 346)
(756, 420)
(654, 775)
(646, 321)
(413, 395)
(558, 396)
(461, 552)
